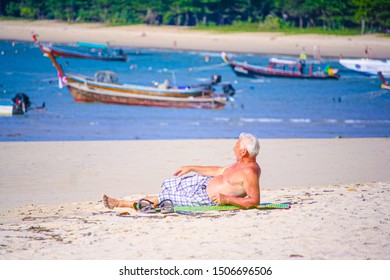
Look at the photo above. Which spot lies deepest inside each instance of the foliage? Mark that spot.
(224, 15)
(271, 23)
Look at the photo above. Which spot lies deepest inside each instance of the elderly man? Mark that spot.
(236, 184)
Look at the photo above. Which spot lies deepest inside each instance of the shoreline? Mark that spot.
(180, 38)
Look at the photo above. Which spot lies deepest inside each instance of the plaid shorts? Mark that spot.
(186, 191)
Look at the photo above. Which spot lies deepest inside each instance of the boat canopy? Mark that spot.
(283, 62)
(105, 76)
(91, 45)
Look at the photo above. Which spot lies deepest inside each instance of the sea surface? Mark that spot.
(353, 106)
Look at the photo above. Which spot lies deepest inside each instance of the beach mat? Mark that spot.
(265, 206)
(198, 210)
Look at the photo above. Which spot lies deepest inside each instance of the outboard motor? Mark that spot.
(21, 103)
(228, 90)
(216, 79)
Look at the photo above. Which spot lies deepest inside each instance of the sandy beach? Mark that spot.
(168, 37)
(339, 189)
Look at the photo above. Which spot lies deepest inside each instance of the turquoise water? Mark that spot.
(354, 106)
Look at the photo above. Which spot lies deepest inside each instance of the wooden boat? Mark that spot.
(279, 68)
(385, 84)
(104, 88)
(82, 50)
(367, 66)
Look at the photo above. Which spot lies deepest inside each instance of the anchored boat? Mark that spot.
(104, 87)
(82, 50)
(280, 68)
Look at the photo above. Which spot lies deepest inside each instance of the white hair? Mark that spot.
(250, 143)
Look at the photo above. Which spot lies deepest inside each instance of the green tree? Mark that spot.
(375, 13)
(361, 15)
(259, 9)
(294, 9)
(12, 9)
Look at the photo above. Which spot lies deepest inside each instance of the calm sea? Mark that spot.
(354, 106)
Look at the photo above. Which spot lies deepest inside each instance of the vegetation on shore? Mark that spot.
(244, 27)
(346, 17)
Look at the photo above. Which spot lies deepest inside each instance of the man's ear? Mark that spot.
(244, 152)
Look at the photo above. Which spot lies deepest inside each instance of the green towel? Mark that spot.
(267, 206)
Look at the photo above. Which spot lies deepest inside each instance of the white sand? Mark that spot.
(337, 222)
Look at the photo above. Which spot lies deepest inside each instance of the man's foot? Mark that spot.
(110, 202)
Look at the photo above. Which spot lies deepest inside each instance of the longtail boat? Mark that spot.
(82, 50)
(280, 68)
(385, 84)
(105, 88)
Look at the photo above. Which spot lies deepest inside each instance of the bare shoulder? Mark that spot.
(253, 169)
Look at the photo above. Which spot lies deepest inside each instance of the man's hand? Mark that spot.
(182, 170)
(219, 199)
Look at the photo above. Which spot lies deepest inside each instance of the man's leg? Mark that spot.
(111, 203)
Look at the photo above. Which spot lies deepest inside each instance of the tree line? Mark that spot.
(368, 15)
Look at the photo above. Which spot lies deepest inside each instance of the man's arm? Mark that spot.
(203, 170)
(252, 189)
